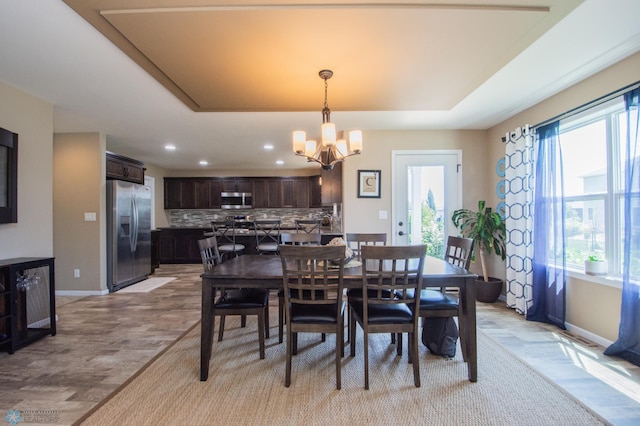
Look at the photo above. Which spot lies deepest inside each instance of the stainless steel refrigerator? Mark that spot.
(128, 233)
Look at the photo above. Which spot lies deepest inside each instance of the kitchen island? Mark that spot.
(180, 244)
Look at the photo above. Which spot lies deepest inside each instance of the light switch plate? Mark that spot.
(89, 216)
(382, 214)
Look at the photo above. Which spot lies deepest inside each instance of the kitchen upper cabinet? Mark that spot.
(275, 192)
(172, 193)
(267, 192)
(295, 192)
(191, 193)
(260, 193)
(124, 168)
(237, 184)
(215, 188)
(331, 191)
(301, 192)
(315, 195)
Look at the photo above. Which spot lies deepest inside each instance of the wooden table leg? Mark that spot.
(206, 329)
(469, 312)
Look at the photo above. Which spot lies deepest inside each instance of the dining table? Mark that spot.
(257, 271)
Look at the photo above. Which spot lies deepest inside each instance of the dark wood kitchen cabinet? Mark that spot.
(315, 192)
(237, 184)
(180, 245)
(192, 193)
(331, 190)
(267, 192)
(260, 193)
(27, 301)
(124, 168)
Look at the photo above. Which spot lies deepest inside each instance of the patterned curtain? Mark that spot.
(518, 212)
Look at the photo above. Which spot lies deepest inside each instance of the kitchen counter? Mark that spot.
(180, 244)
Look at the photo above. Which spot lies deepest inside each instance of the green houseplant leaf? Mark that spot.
(486, 228)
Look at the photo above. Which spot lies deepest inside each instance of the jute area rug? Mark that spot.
(244, 390)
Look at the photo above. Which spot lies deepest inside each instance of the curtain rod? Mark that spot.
(586, 106)
(590, 104)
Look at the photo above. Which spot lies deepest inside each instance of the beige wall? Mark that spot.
(361, 214)
(32, 119)
(591, 307)
(79, 188)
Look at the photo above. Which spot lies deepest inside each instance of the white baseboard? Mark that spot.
(588, 335)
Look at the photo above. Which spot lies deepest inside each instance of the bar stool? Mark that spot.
(309, 226)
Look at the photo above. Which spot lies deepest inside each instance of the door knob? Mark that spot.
(400, 223)
(400, 233)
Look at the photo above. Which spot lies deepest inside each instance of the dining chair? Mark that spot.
(312, 279)
(267, 235)
(391, 278)
(437, 303)
(243, 301)
(309, 226)
(296, 239)
(355, 241)
(225, 230)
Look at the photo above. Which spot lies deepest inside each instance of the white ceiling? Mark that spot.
(176, 76)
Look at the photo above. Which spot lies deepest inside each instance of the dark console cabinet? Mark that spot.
(27, 301)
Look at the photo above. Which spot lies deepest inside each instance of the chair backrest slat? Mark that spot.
(459, 251)
(300, 238)
(355, 241)
(389, 272)
(312, 274)
(209, 253)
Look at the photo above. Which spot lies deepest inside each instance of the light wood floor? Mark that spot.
(102, 341)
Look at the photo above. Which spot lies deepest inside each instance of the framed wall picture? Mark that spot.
(368, 183)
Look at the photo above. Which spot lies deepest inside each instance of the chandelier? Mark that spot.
(331, 150)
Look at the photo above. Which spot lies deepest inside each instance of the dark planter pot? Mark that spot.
(488, 291)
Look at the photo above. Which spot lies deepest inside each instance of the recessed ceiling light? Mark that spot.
(170, 147)
(204, 163)
(279, 162)
(268, 146)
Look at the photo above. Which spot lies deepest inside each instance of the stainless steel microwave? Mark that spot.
(236, 200)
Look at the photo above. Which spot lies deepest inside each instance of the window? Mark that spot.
(593, 172)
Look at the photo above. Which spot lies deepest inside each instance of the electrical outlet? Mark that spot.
(76, 273)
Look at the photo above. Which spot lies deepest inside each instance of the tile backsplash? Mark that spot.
(202, 218)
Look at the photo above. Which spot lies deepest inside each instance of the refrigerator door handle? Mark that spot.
(133, 236)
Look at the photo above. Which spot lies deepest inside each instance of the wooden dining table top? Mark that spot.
(268, 268)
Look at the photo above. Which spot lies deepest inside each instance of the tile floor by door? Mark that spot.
(104, 340)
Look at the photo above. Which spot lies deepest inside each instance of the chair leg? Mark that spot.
(399, 344)
(261, 332)
(339, 355)
(287, 377)
(281, 318)
(266, 321)
(352, 338)
(294, 339)
(393, 338)
(366, 360)
(221, 329)
(243, 321)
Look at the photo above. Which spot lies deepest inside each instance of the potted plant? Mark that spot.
(487, 229)
(596, 266)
